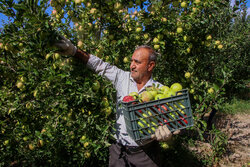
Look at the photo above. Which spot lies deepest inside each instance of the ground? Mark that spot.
(237, 128)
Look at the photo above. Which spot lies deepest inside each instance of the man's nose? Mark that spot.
(132, 65)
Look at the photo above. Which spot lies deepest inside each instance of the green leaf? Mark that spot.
(216, 87)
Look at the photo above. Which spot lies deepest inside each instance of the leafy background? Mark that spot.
(52, 109)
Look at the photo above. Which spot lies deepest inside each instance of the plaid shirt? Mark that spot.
(124, 84)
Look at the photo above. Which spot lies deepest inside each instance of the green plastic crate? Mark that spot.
(143, 118)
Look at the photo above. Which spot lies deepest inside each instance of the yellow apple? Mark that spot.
(125, 60)
(179, 30)
(210, 90)
(183, 4)
(220, 46)
(187, 75)
(156, 47)
(80, 44)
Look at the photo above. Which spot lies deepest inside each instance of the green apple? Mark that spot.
(220, 46)
(179, 30)
(88, 4)
(141, 123)
(183, 4)
(187, 75)
(156, 47)
(164, 20)
(96, 86)
(160, 36)
(164, 145)
(217, 42)
(153, 93)
(180, 108)
(209, 37)
(194, 9)
(137, 37)
(169, 93)
(47, 56)
(176, 87)
(40, 143)
(31, 147)
(164, 89)
(172, 115)
(145, 36)
(83, 138)
(159, 96)
(77, 2)
(6, 142)
(117, 6)
(197, 2)
(191, 91)
(19, 85)
(210, 90)
(149, 114)
(144, 116)
(155, 40)
(105, 102)
(56, 56)
(138, 29)
(125, 60)
(80, 44)
(186, 38)
(134, 94)
(20, 45)
(35, 93)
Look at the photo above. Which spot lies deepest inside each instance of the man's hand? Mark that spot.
(65, 47)
(162, 133)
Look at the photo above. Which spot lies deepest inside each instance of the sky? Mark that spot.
(3, 18)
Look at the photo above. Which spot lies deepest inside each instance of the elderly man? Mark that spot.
(125, 151)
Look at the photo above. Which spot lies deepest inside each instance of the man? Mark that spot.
(125, 151)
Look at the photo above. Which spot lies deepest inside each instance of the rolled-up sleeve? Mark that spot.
(104, 69)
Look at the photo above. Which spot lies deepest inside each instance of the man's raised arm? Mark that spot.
(111, 72)
(66, 47)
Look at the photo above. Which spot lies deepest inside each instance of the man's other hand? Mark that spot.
(65, 47)
(162, 133)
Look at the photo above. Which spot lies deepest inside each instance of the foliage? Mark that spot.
(236, 106)
(218, 142)
(52, 109)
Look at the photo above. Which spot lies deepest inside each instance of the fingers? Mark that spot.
(60, 45)
(63, 38)
(61, 53)
(153, 136)
(162, 133)
(157, 134)
(177, 132)
(166, 133)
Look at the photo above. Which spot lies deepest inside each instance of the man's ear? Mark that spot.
(151, 65)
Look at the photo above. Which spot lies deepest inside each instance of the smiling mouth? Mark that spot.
(133, 71)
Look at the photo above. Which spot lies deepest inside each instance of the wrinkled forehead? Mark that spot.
(141, 54)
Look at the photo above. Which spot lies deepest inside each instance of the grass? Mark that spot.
(236, 106)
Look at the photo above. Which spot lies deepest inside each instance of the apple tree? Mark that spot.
(54, 110)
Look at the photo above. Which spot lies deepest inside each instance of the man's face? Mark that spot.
(139, 66)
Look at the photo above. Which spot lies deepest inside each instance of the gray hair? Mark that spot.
(152, 55)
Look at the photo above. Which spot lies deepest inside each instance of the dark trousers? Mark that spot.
(146, 156)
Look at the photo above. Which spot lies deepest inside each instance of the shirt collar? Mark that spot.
(149, 83)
